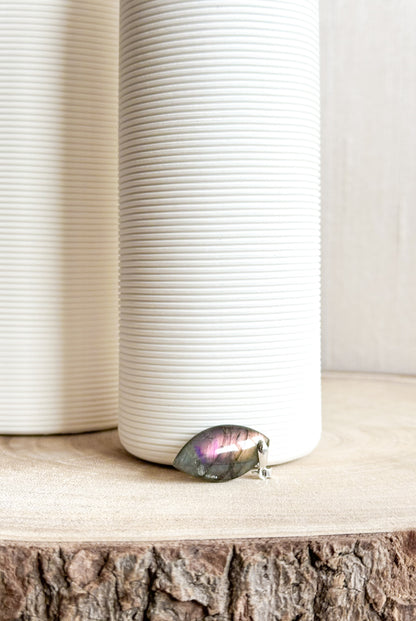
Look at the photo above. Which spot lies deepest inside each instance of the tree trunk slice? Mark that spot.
(90, 532)
(335, 578)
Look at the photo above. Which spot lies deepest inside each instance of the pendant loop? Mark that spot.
(262, 470)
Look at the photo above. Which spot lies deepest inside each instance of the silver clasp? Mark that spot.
(262, 470)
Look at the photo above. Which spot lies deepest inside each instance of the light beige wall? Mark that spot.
(368, 51)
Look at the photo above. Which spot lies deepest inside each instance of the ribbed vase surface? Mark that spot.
(219, 223)
(58, 215)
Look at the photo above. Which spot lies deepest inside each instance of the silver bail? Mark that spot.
(262, 470)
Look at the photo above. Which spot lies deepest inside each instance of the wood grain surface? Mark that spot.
(360, 479)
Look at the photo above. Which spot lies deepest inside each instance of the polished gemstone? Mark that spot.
(221, 453)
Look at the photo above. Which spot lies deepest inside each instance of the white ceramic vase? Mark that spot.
(219, 223)
(58, 215)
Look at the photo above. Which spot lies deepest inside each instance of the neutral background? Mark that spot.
(368, 64)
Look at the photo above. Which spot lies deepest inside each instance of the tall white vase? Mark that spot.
(58, 215)
(220, 223)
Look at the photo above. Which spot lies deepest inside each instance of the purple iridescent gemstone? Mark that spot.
(221, 453)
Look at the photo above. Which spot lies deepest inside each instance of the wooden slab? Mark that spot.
(84, 526)
(86, 488)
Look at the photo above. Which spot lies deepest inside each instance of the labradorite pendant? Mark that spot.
(222, 453)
